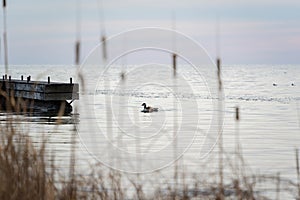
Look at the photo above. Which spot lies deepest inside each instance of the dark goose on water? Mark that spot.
(148, 109)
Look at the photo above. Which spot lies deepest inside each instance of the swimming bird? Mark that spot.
(148, 109)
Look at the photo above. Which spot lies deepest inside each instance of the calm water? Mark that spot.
(131, 141)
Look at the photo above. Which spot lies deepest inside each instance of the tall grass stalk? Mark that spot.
(175, 126)
(298, 172)
(237, 155)
(278, 186)
(4, 6)
(221, 184)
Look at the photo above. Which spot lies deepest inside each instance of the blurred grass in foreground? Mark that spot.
(25, 173)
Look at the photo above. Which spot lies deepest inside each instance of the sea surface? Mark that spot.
(193, 112)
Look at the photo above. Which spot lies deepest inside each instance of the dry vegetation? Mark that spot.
(26, 173)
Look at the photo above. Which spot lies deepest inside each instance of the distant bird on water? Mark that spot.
(274, 84)
(148, 109)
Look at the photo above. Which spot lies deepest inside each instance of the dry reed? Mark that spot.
(26, 173)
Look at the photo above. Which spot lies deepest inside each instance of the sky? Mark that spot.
(250, 32)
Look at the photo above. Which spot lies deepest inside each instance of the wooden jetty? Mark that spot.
(39, 96)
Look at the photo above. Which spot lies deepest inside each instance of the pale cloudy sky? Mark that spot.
(251, 32)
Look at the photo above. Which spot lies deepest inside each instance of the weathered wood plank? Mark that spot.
(41, 86)
(44, 88)
(46, 96)
(41, 90)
